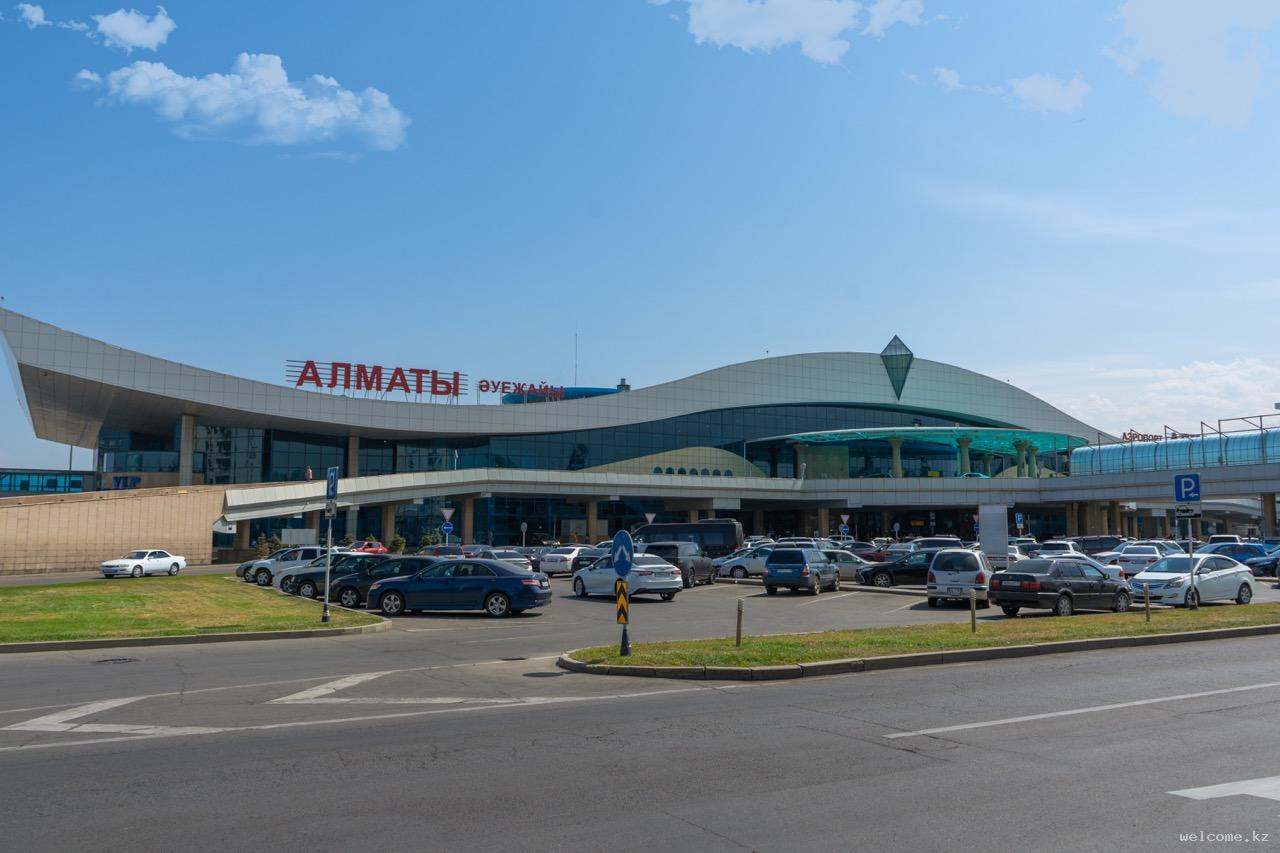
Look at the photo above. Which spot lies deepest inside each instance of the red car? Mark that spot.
(369, 546)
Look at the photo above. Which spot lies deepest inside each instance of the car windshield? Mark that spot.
(136, 555)
(1172, 565)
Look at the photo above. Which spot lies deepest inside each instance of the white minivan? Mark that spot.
(956, 571)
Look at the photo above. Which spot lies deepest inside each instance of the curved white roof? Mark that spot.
(71, 385)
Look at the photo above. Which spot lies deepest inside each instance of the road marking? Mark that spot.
(827, 598)
(329, 687)
(1267, 787)
(61, 721)
(906, 606)
(503, 639)
(1091, 710)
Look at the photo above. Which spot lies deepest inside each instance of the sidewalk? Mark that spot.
(73, 577)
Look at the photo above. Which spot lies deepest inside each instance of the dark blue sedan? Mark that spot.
(496, 587)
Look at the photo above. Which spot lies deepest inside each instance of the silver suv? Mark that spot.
(262, 571)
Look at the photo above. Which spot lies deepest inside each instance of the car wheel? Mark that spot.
(391, 604)
(983, 605)
(497, 604)
(771, 590)
(1064, 606)
(349, 597)
(884, 580)
(173, 570)
(308, 589)
(686, 580)
(263, 577)
(579, 588)
(1244, 595)
(934, 602)
(815, 586)
(666, 596)
(1009, 610)
(1192, 599)
(1122, 602)
(835, 584)
(137, 572)
(738, 572)
(289, 586)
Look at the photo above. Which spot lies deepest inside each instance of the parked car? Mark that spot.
(353, 589)
(907, 569)
(533, 553)
(1223, 537)
(1062, 586)
(244, 567)
(143, 562)
(927, 542)
(695, 567)
(1217, 578)
(847, 564)
(308, 581)
(1094, 545)
(369, 546)
(1112, 571)
(261, 572)
(868, 551)
(1057, 546)
(440, 551)
(954, 572)
(494, 586)
(649, 574)
(509, 555)
(800, 568)
(1266, 565)
(1241, 552)
(587, 556)
(561, 560)
(748, 565)
(1135, 558)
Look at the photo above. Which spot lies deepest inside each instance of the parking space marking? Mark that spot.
(1267, 787)
(1090, 710)
(826, 598)
(329, 687)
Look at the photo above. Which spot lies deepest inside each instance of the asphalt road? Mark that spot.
(425, 738)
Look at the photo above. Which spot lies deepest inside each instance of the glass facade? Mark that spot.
(1246, 448)
(23, 482)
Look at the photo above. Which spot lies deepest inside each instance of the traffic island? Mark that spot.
(866, 649)
(161, 610)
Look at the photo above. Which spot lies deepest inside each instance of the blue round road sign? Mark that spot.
(622, 550)
(446, 528)
(844, 529)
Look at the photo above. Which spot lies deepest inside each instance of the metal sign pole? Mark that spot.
(328, 561)
(330, 510)
(1194, 604)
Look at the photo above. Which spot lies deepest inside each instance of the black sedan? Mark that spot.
(1061, 586)
(352, 589)
(909, 569)
(494, 586)
(309, 582)
(587, 556)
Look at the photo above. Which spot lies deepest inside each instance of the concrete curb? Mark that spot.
(845, 665)
(191, 639)
(852, 587)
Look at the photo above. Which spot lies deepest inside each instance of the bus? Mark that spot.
(717, 536)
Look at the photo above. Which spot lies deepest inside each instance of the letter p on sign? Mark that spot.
(1186, 488)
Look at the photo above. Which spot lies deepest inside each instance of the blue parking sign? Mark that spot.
(331, 484)
(1186, 488)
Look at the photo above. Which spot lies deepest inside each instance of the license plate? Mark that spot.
(955, 589)
(662, 574)
(544, 583)
(1011, 584)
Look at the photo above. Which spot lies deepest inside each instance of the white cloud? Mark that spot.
(258, 103)
(132, 29)
(816, 25)
(85, 77)
(883, 14)
(32, 16)
(947, 78)
(1210, 55)
(1044, 93)
(78, 26)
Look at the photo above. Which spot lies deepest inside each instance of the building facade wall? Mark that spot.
(68, 533)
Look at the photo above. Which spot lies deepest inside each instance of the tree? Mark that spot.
(429, 539)
(346, 540)
(397, 544)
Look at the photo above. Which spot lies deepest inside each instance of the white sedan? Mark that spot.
(1217, 578)
(139, 563)
(649, 574)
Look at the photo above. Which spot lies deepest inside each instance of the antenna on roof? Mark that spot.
(575, 358)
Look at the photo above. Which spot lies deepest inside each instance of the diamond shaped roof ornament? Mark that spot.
(897, 363)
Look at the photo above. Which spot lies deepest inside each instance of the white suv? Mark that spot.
(1058, 546)
(956, 571)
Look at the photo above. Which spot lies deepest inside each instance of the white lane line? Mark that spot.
(504, 639)
(827, 598)
(362, 719)
(909, 604)
(61, 721)
(1267, 787)
(1091, 710)
(329, 687)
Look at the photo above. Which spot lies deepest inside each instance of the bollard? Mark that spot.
(973, 611)
(737, 639)
(1146, 598)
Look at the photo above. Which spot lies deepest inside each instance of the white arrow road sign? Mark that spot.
(1267, 787)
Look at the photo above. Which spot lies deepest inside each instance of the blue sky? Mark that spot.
(1078, 198)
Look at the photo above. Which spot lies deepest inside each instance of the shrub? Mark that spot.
(397, 544)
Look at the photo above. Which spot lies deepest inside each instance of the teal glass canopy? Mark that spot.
(981, 439)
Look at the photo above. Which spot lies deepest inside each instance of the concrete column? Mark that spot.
(186, 448)
(1113, 519)
(886, 523)
(242, 535)
(896, 445)
(1072, 521)
(988, 463)
(594, 529)
(388, 523)
(824, 521)
(963, 444)
(1033, 466)
(314, 520)
(757, 523)
(468, 520)
(353, 457)
(1269, 514)
(1020, 458)
(1196, 529)
(693, 516)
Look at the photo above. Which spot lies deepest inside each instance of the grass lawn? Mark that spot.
(154, 607)
(876, 642)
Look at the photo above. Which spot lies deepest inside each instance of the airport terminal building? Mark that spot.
(784, 444)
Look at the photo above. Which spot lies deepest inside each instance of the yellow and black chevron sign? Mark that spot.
(624, 605)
